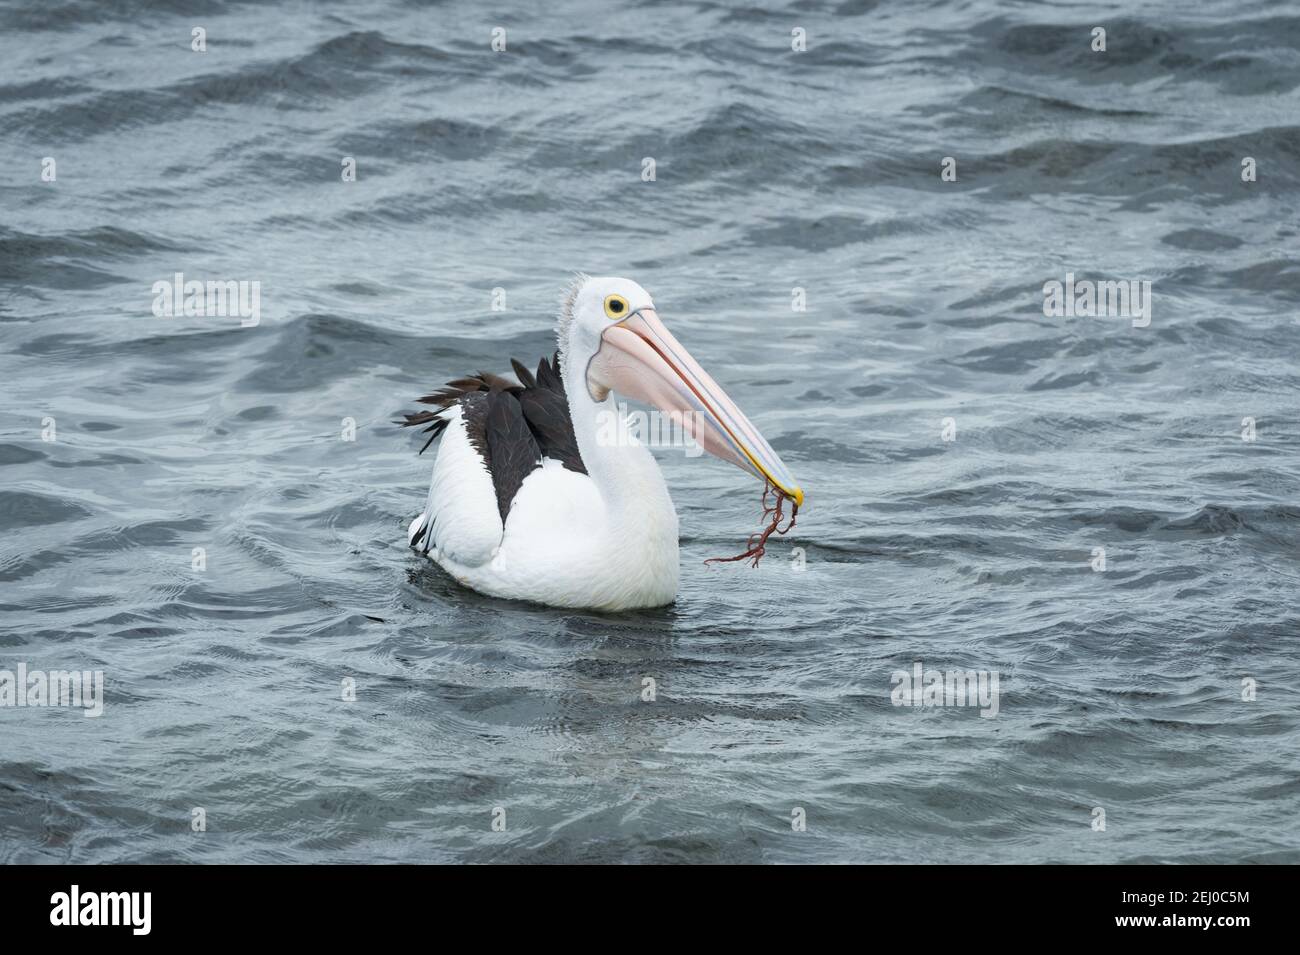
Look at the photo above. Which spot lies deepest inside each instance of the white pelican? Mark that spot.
(536, 497)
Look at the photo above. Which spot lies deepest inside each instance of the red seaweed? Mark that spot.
(774, 514)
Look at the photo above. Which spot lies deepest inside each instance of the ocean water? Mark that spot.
(964, 454)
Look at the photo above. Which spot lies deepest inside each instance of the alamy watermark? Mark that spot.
(922, 687)
(1087, 299)
(75, 907)
(71, 688)
(619, 427)
(220, 299)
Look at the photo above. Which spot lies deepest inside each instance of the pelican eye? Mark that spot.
(616, 306)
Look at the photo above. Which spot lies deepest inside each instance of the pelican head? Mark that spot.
(611, 325)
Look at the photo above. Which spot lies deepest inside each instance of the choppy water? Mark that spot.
(774, 170)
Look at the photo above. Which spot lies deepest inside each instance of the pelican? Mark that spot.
(540, 492)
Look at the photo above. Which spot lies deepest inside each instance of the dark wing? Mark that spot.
(454, 392)
(512, 426)
(548, 376)
(513, 453)
(547, 415)
(546, 408)
(523, 374)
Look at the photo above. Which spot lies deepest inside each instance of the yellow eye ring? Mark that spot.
(616, 307)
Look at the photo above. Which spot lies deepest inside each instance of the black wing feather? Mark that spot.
(474, 411)
(513, 450)
(548, 376)
(547, 415)
(511, 426)
(523, 374)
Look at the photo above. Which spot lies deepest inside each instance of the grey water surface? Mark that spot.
(775, 170)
